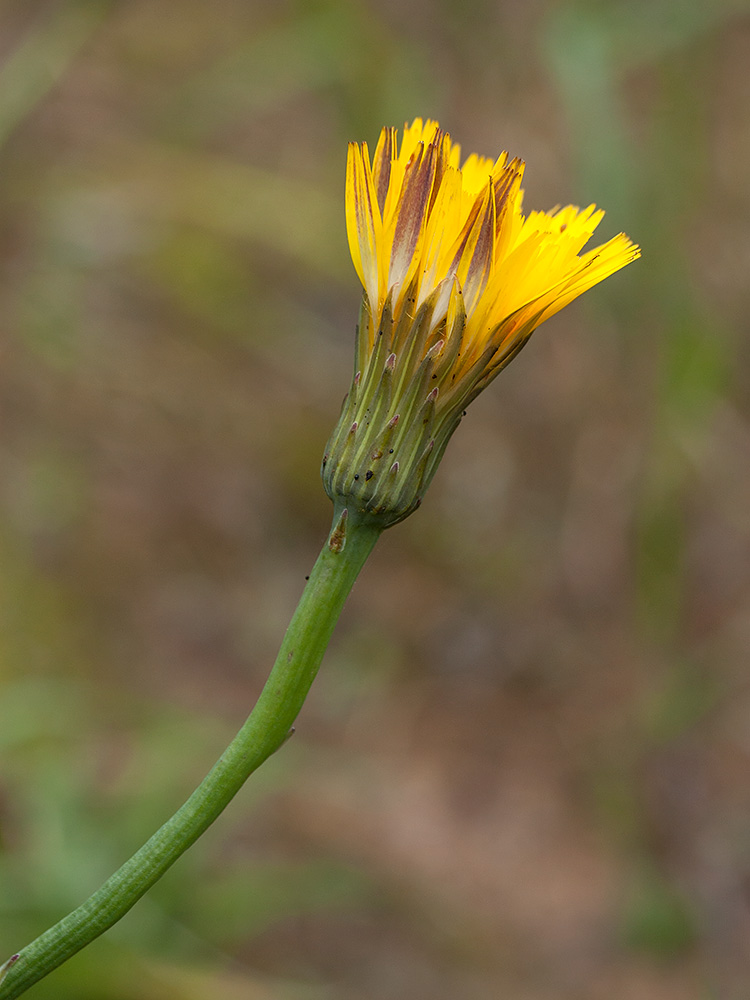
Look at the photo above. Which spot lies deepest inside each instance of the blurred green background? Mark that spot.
(523, 771)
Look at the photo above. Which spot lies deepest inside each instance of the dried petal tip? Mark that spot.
(455, 279)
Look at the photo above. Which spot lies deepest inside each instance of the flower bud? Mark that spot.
(455, 281)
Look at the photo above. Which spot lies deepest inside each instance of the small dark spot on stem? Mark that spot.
(369, 474)
(390, 451)
(356, 475)
(307, 577)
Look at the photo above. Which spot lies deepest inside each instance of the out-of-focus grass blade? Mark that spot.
(639, 33)
(43, 57)
(290, 215)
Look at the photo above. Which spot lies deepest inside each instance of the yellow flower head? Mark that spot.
(455, 281)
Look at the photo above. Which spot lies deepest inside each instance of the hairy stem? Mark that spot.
(267, 727)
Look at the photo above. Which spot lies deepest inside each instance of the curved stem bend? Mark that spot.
(267, 727)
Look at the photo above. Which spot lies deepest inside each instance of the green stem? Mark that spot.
(267, 727)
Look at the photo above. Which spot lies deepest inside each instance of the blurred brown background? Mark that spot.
(524, 771)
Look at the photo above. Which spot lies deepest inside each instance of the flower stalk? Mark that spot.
(6, 966)
(269, 725)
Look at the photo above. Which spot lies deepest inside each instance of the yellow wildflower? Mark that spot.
(455, 281)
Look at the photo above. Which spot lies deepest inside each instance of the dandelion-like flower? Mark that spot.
(455, 281)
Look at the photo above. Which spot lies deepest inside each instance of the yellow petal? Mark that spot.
(477, 258)
(381, 164)
(593, 267)
(408, 224)
(363, 222)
